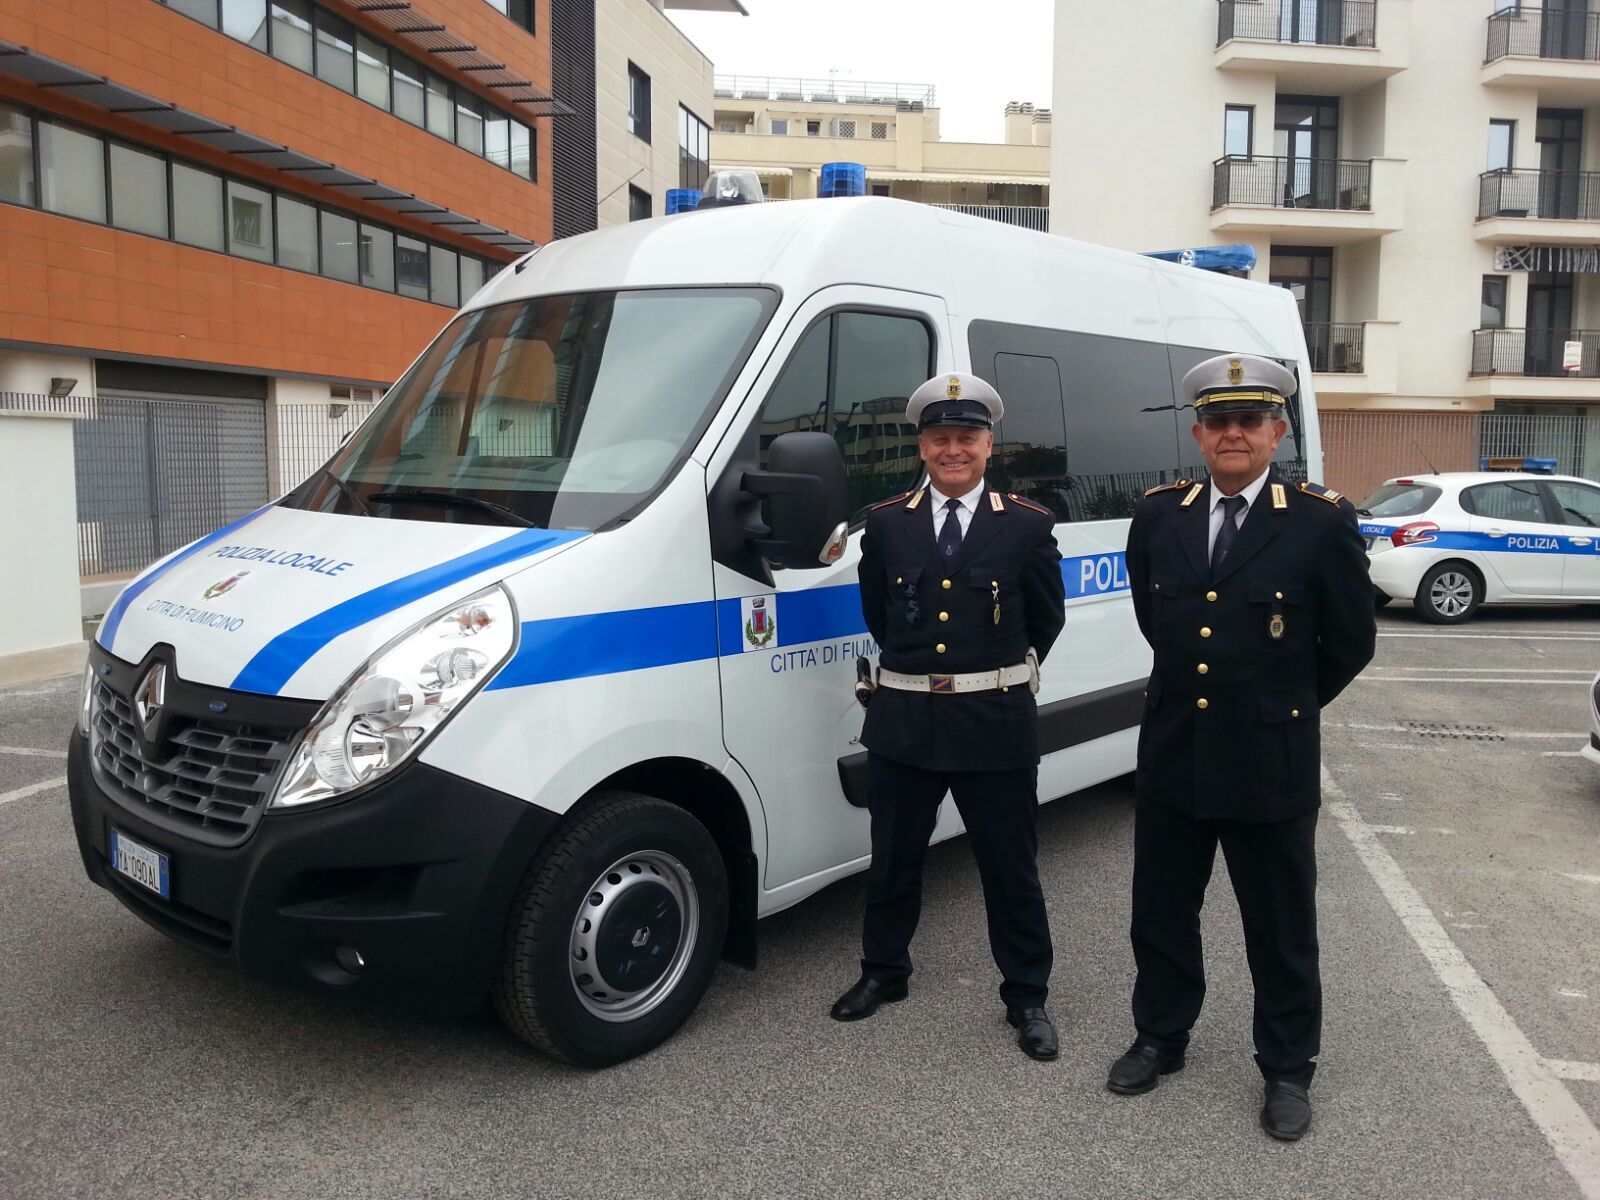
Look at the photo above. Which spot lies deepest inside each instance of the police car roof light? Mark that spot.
(1534, 466)
(724, 189)
(682, 200)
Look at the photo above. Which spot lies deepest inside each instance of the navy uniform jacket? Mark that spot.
(930, 616)
(1246, 660)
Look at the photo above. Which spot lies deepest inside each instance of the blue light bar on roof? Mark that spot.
(1238, 257)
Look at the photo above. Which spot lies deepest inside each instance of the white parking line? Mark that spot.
(22, 793)
(1562, 1120)
(1581, 878)
(1499, 733)
(30, 752)
(1458, 679)
(1587, 674)
(1502, 637)
(1561, 1069)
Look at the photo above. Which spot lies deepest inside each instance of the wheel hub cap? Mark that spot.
(633, 935)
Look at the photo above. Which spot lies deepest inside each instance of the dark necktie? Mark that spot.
(1231, 507)
(950, 531)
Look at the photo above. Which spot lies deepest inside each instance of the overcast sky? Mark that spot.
(977, 56)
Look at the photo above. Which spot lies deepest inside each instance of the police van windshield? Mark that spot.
(565, 412)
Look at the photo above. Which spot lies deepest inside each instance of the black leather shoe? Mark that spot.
(1286, 1113)
(1036, 1034)
(1141, 1068)
(863, 999)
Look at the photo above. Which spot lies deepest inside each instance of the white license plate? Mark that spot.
(146, 867)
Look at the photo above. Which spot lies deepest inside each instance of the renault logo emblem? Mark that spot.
(149, 701)
(641, 937)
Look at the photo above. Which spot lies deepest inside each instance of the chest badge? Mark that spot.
(1275, 627)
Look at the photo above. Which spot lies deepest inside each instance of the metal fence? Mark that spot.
(1362, 449)
(1026, 216)
(795, 90)
(1336, 348)
(1553, 195)
(1335, 183)
(1317, 22)
(307, 435)
(1540, 353)
(1543, 33)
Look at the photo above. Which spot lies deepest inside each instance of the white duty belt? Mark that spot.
(955, 685)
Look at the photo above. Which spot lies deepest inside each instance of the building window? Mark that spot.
(1502, 144)
(471, 276)
(524, 160)
(336, 51)
(780, 127)
(138, 191)
(297, 235)
(694, 150)
(440, 108)
(72, 172)
(340, 259)
(204, 11)
(246, 21)
(726, 127)
(1492, 314)
(443, 284)
(880, 189)
(376, 257)
(847, 129)
(638, 204)
(372, 71)
(638, 103)
(813, 128)
(408, 94)
(411, 268)
(249, 222)
(469, 123)
(291, 33)
(197, 207)
(520, 11)
(1238, 130)
(880, 131)
(16, 156)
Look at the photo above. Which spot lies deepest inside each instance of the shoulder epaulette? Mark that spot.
(1038, 508)
(889, 501)
(1320, 492)
(1167, 487)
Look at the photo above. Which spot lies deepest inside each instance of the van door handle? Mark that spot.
(1495, 532)
(1580, 541)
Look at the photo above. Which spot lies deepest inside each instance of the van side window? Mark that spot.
(850, 376)
(1089, 422)
(1289, 459)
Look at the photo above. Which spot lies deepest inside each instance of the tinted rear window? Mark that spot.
(1399, 500)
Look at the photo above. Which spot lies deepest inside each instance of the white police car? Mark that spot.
(1450, 542)
(1592, 750)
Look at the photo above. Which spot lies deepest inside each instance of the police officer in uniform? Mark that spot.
(959, 583)
(1254, 594)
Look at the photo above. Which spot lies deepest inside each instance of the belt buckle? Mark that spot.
(942, 683)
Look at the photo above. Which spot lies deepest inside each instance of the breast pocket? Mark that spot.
(906, 601)
(1280, 612)
(997, 595)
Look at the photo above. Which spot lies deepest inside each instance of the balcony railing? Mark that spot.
(1536, 352)
(1336, 348)
(1027, 216)
(1553, 195)
(1292, 182)
(824, 91)
(1544, 33)
(1304, 22)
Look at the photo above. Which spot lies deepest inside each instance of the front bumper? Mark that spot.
(415, 874)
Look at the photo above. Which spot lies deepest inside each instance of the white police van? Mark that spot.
(1451, 541)
(541, 689)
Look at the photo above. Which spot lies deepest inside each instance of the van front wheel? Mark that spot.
(615, 932)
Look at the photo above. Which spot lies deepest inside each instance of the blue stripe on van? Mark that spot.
(285, 654)
(610, 643)
(113, 619)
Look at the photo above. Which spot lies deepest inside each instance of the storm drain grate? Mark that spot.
(1438, 731)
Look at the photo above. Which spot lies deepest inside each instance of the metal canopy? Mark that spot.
(425, 35)
(21, 63)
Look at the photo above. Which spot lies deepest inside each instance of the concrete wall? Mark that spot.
(39, 553)
(638, 32)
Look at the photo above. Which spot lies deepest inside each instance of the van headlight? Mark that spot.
(86, 701)
(400, 698)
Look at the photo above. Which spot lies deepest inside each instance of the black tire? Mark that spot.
(651, 871)
(1379, 599)
(1449, 593)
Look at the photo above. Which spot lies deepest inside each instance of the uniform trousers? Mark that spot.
(1001, 810)
(1273, 867)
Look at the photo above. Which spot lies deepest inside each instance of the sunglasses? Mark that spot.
(1217, 422)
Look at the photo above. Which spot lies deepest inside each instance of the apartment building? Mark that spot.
(785, 130)
(1418, 172)
(227, 225)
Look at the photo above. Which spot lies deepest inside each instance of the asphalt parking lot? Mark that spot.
(1460, 857)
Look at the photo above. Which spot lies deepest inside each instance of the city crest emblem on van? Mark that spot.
(760, 621)
(224, 585)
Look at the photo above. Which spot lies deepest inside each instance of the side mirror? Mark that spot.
(809, 499)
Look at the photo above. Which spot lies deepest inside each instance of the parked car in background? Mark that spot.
(1592, 750)
(1451, 541)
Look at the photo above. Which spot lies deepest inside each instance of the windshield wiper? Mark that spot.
(348, 492)
(1365, 512)
(447, 499)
